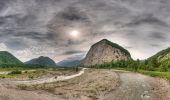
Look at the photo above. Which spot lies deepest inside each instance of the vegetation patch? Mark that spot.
(165, 75)
(15, 72)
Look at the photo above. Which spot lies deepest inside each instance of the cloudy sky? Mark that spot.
(64, 29)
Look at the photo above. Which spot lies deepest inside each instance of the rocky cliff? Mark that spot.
(105, 51)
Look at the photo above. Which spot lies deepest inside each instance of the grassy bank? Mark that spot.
(165, 75)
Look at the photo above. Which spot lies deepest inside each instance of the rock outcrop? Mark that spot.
(105, 51)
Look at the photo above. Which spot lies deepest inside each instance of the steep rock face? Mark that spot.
(105, 51)
(43, 61)
(167, 56)
(8, 58)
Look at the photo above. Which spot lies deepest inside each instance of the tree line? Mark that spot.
(136, 65)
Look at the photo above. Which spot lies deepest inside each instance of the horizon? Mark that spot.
(66, 29)
(80, 57)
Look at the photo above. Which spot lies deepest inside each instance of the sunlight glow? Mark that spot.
(74, 33)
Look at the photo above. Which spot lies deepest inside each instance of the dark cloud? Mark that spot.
(42, 27)
(2, 20)
(147, 19)
(155, 45)
(3, 4)
(158, 36)
(76, 57)
(16, 44)
(72, 52)
(73, 14)
(72, 42)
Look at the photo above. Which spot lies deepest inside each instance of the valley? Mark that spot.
(84, 49)
(107, 72)
(88, 84)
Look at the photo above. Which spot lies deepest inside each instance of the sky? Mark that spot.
(66, 29)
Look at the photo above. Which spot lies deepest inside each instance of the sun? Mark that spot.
(74, 33)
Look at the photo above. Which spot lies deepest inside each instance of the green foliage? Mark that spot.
(76, 69)
(42, 61)
(155, 62)
(15, 72)
(130, 65)
(164, 67)
(165, 75)
(160, 54)
(133, 65)
(7, 58)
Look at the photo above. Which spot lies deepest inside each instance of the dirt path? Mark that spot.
(135, 86)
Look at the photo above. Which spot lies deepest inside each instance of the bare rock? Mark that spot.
(105, 51)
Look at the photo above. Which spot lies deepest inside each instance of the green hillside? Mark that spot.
(7, 58)
(160, 60)
(160, 54)
(42, 61)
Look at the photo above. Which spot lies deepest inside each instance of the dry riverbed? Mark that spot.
(91, 84)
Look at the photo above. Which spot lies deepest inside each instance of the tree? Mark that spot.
(154, 63)
(164, 67)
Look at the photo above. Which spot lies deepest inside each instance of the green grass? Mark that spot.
(7, 76)
(165, 75)
(155, 73)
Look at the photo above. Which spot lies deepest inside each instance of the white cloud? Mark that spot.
(3, 47)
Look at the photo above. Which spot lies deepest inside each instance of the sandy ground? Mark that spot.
(15, 94)
(88, 85)
(93, 85)
(136, 86)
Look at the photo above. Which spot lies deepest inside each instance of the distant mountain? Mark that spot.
(8, 59)
(42, 61)
(69, 63)
(105, 51)
(162, 55)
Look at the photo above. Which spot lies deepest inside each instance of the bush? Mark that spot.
(16, 72)
(163, 68)
(31, 77)
(22, 87)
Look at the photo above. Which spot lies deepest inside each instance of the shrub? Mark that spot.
(16, 72)
(22, 86)
(30, 76)
(163, 68)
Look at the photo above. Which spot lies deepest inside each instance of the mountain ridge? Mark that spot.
(43, 61)
(161, 55)
(105, 51)
(8, 58)
(69, 63)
